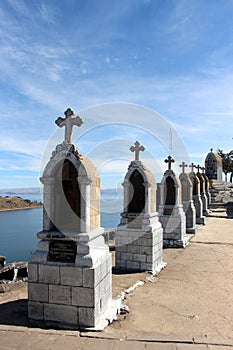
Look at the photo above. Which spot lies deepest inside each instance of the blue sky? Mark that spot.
(173, 57)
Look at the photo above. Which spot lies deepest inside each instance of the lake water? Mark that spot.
(18, 228)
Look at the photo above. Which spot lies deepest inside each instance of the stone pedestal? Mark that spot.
(203, 194)
(174, 226)
(171, 213)
(139, 243)
(205, 204)
(190, 213)
(207, 190)
(196, 196)
(200, 218)
(75, 293)
(208, 195)
(188, 205)
(139, 236)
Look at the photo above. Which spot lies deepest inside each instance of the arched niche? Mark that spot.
(195, 187)
(195, 184)
(186, 187)
(71, 186)
(170, 189)
(206, 185)
(206, 182)
(202, 184)
(71, 192)
(137, 193)
(67, 198)
(170, 193)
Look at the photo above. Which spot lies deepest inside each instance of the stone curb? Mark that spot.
(153, 338)
(20, 329)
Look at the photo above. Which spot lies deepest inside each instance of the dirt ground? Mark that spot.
(192, 296)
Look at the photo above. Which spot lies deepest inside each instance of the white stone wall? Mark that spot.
(139, 249)
(65, 294)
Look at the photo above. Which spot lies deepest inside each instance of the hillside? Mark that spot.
(13, 203)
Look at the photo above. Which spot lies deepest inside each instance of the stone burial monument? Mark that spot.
(203, 191)
(200, 218)
(213, 166)
(207, 186)
(171, 213)
(187, 200)
(139, 236)
(70, 273)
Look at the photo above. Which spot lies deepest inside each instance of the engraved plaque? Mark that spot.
(168, 210)
(62, 251)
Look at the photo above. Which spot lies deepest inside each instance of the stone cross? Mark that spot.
(169, 160)
(192, 166)
(198, 168)
(203, 170)
(137, 148)
(69, 121)
(183, 166)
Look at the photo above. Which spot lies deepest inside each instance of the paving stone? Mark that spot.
(97, 344)
(35, 341)
(218, 347)
(11, 340)
(160, 346)
(126, 345)
(68, 342)
(191, 347)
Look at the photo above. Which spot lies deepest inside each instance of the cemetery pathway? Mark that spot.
(193, 296)
(188, 306)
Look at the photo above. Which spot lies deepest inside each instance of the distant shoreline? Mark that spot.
(24, 208)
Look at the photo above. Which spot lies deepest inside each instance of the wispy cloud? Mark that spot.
(165, 55)
(20, 7)
(47, 13)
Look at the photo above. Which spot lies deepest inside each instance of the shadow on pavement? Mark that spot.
(14, 313)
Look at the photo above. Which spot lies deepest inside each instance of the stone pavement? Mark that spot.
(37, 339)
(188, 306)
